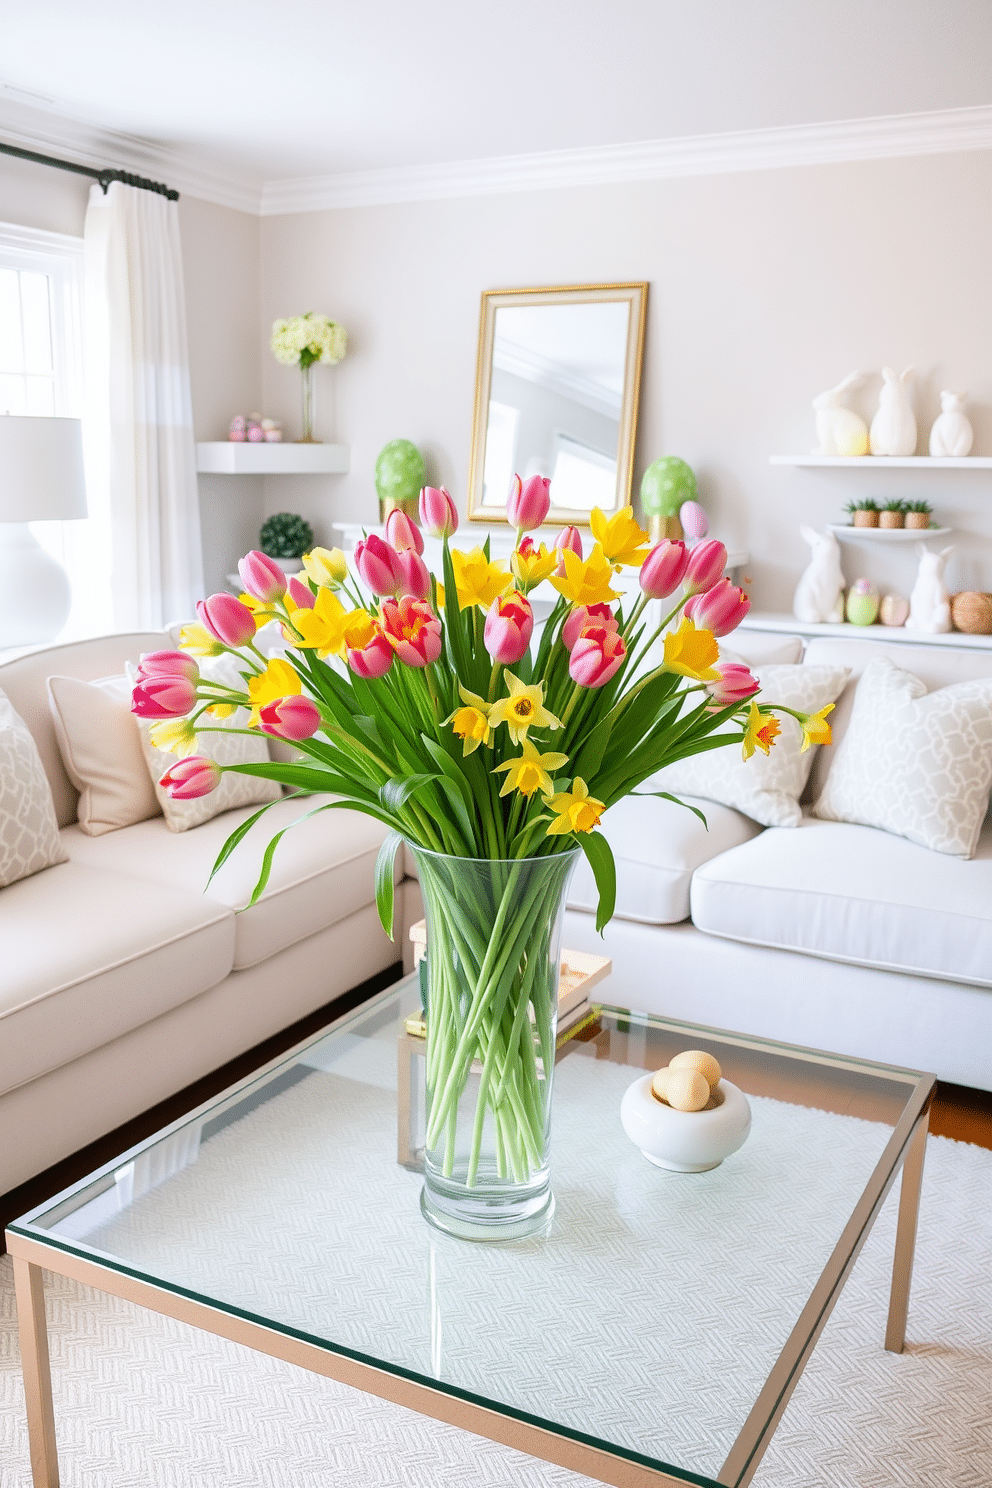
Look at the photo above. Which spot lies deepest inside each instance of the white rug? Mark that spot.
(141, 1400)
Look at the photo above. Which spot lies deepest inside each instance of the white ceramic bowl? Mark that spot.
(685, 1141)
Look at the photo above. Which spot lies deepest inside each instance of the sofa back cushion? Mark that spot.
(29, 835)
(24, 681)
(100, 744)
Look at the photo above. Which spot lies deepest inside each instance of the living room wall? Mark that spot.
(766, 288)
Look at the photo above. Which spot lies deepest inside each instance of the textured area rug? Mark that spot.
(143, 1400)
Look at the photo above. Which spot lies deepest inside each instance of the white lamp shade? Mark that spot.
(41, 469)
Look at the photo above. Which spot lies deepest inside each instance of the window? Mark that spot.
(41, 372)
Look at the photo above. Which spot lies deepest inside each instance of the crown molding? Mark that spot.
(882, 138)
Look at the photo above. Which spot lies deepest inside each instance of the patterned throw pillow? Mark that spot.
(29, 832)
(766, 787)
(914, 763)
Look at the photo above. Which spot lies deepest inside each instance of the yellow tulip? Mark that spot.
(815, 728)
(327, 567)
(198, 641)
(478, 580)
(174, 736)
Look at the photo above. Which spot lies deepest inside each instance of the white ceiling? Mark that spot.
(322, 87)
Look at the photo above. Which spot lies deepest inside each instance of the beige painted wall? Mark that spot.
(766, 288)
(36, 196)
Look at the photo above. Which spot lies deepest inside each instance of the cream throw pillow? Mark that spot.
(766, 787)
(29, 832)
(914, 763)
(100, 745)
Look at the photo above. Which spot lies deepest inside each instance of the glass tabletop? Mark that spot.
(647, 1321)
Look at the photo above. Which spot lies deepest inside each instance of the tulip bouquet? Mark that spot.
(423, 701)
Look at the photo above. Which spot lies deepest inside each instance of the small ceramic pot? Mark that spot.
(865, 518)
(685, 1141)
(918, 520)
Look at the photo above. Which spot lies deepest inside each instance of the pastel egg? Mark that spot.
(659, 1085)
(686, 1089)
(695, 523)
(698, 1059)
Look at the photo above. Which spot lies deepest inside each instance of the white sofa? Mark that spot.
(122, 979)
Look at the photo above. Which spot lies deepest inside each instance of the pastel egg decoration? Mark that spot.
(237, 430)
(686, 1117)
(894, 610)
(695, 522)
(862, 603)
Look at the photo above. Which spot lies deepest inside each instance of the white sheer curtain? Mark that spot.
(141, 466)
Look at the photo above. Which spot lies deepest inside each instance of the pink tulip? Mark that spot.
(664, 569)
(262, 576)
(402, 533)
(707, 560)
(412, 629)
(373, 660)
(596, 656)
(292, 718)
(227, 619)
(570, 538)
(191, 777)
(301, 594)
(168, 663)
(164, 696)
(378, 565)
(529, 502)
(437, 512)
(736, 683)
(509, 624)
(582, 617)
(721, 609)
(416, 578)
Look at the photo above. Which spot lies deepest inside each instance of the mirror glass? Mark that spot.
(557, 396)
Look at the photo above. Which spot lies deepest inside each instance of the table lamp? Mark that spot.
(41, 480)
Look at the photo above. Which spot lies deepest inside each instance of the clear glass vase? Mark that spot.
(307, 374)
(493, 959)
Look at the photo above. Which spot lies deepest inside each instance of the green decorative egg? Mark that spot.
(399, 474)
(862, 603)
(666, 485)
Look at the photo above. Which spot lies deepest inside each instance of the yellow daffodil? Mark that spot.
(692, 653)
(522, 710)
(575, 810)
(327, 567)
(174, 735)
(264, 610)
(760, 732)
(277, 681)
(620, 538)
(529, 771)
(815, 728)
(586, 581)
(359, 628)
(197, 641)
(478, 580)
(440, 596)
(531, 565)
(324, 628)
(471, 722)
(222, 710)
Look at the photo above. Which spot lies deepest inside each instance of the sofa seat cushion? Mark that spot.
(90, 954)
(854, 893)
(323, 870)
(657, 846)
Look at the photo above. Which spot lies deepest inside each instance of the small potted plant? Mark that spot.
(864, 513)
(918, 514)
(286, 537)
(893, 514)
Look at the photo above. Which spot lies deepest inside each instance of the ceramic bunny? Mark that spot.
(952, 433)
(893, 429)
(839, 430)
(820, 592)
(929, 603)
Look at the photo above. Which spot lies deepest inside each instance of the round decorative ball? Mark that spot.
(285, 535)
(862, 603)
(698, 1059)
(971, 612)
(667, 484)
(685, 1141)
(399, 476)
(686, 1089)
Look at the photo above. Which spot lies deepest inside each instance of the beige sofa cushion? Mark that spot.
(101, 749)
(89, 955)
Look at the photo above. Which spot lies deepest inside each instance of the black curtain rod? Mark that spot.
(103, 176)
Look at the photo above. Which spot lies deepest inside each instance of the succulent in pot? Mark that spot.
(918, 514)
(864, 513)
(286, 537)
(893, 514)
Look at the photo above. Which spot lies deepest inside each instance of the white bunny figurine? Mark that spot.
(820, 592)
(929, 604)
(952, 433)
(839, 430)
(893, 429)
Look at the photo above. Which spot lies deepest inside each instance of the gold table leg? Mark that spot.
(29, 1289)
(902, 1265)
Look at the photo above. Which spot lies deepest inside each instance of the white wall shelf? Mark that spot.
(883, 462)
(224, 457)
(769, 620)
(848, 531)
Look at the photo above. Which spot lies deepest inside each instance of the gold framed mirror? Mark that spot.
(557, 388)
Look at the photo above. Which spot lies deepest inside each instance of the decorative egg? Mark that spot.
(659, 1084)
(255, 433)
(686, 1089)
(238, 423)
(695, 522)
(698, 1059)
(894, 610)
(862, 603)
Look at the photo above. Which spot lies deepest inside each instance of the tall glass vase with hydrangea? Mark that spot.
(303, 341)
(492, 749)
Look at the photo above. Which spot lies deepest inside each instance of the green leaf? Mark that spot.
(600, 857)
(384, 882)
(664, 796)
(395, 793)
(236, 836)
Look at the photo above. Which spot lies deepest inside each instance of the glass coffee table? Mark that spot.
(653, 1336)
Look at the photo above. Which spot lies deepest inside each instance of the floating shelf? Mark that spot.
(769, 620)
(887, 534)
(884, 462)
(224, 457)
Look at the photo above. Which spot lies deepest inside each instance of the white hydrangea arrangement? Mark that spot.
(305, 339)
